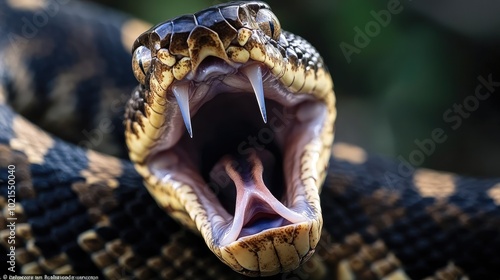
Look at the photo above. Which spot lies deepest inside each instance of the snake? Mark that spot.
(220, 164)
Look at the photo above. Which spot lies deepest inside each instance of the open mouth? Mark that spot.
(236, 137)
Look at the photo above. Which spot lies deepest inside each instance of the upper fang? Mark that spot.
(254, 75)
(181, 93)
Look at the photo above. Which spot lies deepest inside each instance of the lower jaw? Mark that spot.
(267, 252)
(272, 251)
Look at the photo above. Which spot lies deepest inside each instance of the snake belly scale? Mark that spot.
(218, 204)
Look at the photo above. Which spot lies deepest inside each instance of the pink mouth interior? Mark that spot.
(241, 168)
(256, 207)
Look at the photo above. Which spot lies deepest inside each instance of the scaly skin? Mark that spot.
(83, 212)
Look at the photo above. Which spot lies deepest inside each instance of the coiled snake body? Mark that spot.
(230, 130)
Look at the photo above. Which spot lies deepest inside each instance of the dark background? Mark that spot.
(397, 89)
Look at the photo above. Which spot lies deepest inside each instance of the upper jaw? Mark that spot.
(198, 87)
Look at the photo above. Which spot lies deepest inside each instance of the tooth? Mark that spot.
(254, 75)
(181, 93)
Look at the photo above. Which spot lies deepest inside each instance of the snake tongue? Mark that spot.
(256, 208)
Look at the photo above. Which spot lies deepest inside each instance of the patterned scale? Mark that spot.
(80, 211)
(454, 230)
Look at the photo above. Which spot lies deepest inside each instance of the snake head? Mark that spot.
(231, 128)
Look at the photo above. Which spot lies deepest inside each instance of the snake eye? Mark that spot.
(141, 62)
(269, 23)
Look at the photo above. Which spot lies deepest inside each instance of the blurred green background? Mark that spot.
(395, 87)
